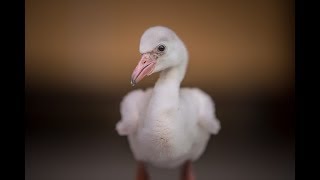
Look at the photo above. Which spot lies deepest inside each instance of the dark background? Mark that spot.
(79, 58)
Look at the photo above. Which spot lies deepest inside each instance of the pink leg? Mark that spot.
(141, 172)
(187, 172)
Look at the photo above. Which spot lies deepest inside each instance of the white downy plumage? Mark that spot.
(166, 125)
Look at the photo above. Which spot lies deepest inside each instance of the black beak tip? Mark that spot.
(133, 83)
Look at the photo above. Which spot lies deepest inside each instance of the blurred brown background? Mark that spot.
(79, 59)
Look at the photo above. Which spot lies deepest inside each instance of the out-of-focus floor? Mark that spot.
(75, 139)
(109, 159)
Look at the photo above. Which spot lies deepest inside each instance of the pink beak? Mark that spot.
(144, 68)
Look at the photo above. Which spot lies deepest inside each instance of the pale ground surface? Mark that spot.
(73, 138)
(103, 160)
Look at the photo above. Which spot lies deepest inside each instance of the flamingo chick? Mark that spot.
(167, 126)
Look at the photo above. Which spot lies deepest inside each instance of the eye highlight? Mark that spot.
(161, 48)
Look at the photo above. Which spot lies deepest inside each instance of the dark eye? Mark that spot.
(161, 48)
